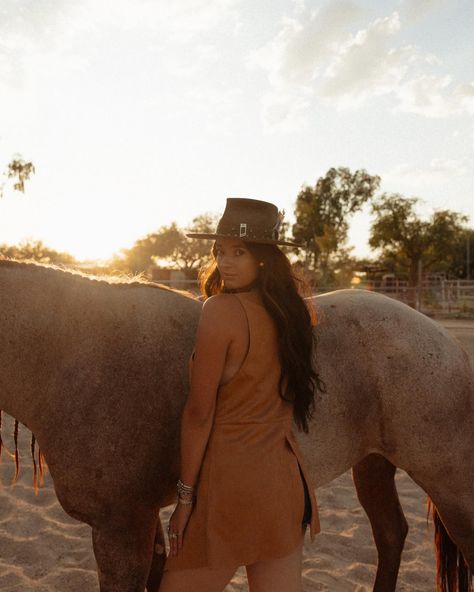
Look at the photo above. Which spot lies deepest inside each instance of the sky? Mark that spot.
(137, 113)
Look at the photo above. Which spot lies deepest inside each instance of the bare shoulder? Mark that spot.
(221, 304)
(223, 310)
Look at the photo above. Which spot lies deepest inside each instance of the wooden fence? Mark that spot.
(442, 296)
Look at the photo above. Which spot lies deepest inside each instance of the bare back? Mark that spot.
(238, 326)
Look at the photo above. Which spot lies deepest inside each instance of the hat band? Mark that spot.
(245, 230)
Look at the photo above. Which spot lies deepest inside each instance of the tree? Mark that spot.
(137, 259)
(170, 243)
(344, 266)
(21, 170)
(322, 212)
(37, 251)
(406, 240)
(460, 258)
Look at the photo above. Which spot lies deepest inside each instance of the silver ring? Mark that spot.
(173, 535)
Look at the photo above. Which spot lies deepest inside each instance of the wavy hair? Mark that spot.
(283, 291)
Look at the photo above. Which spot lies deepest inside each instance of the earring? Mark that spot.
(261, 263)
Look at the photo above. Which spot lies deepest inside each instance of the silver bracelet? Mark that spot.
(186, 493)
(185, 488)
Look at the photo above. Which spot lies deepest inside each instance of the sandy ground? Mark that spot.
(42, 549)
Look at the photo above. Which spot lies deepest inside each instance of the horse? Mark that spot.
(400, 394)
(96, 368)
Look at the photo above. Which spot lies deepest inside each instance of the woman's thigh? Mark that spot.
(202, 579)
(278, 575)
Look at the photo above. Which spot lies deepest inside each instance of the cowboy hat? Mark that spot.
(250, 220)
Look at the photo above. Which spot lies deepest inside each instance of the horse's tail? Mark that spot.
(41, 464)
(453, 574)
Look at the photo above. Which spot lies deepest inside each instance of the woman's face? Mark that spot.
(236, 264)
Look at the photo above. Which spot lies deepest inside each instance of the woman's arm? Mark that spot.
(213, 338)
(212, 342)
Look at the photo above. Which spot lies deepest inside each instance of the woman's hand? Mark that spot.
(177, 524)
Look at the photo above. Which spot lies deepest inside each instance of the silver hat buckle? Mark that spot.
(243, 229)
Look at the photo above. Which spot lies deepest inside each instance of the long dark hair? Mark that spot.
(283, 292)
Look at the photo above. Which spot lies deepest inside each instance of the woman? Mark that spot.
(244, 496)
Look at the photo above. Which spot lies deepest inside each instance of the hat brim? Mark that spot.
(245, 239)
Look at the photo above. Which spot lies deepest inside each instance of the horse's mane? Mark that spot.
(118, 279)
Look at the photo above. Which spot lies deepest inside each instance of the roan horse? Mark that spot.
(97, 370)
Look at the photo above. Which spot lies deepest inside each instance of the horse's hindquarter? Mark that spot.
(426, 394)
(397, 383)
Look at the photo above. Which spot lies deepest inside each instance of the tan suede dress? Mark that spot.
(250, 494)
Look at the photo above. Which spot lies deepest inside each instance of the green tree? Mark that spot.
(458, 268)
(170, 244)
(344, 267)
(20, 171)
(135, 260)
(37, 251)
(322, 213)
(405, 240)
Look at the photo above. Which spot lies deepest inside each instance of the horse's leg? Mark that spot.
(158, 560)
(124, 553)
(374, 480)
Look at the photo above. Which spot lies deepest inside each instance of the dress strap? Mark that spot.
(242, 300)
(248, 355)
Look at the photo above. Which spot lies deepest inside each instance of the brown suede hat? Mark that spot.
(249, 220)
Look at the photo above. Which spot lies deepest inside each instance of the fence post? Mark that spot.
(418, 287)
(468, 258)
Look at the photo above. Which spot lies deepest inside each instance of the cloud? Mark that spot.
(29, 23)
(63, 30)
(36, 22)
(415, 10)
(26, 28)
(286, 112)
(188, 18)
(295, 56)
(439, 170)
(317, 54)
(431, 96)
(362, 66)
(365, 66)
(178, 21)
